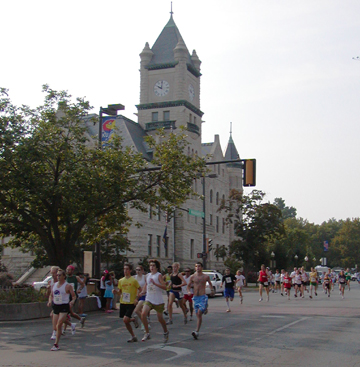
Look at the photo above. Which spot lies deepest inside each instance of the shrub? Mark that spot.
(25, 294)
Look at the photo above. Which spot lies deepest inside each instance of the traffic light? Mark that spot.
(249, 172)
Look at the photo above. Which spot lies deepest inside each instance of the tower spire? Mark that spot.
(230, 129)
(171, 12)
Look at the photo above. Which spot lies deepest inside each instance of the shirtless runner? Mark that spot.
(200, 299)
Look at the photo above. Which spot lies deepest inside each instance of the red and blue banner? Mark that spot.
(108, 129)
(326, 246)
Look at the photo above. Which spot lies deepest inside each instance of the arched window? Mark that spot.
(217, 198)
(211, 196)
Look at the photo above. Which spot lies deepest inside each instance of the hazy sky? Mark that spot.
(281, 71)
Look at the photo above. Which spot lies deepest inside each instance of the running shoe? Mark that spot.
(136, 321)
(82, 322)
(190, 317)
(169, 322)
(132, 340)
(109, 311)
(228, 310)
(329, 295)
(53, 336)
(73, 329)
(187, 310)
(310, 297)
(195, 334)
(260, 299)
(55, 347)
(146, 337)
(282, 294)
(166, 313)
(185, 320)
(315, 294)
(83, 315)
(166, 337)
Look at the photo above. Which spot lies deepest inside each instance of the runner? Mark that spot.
(304, 280)
(348, 277)
(333, 279)
(342, 283)
(188, 297)
(177, 282)
(82, 293)
(129, 290)
(240, 282)
(282, 281)
(167, 280)
(229, 280)
(277, 277)
(154, 284)
(60, 296)
(297, 282)
(263, 282)
(287, 284)
(140, 277)
(313, 281)
(327, 284)
(198, 280)
(74, 280)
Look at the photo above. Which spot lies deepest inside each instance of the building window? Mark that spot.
(217, 224)
(223, 198)
(190, 117)
(191, 249)
(210, 219)
(166, 116)
(219, 169)
(223, 225)
(149, 244)
(150, 212)
(217, 251)
(158, 213)
(217, 198)
(155, 116)
(158, 243)
(211, 196)
(195, 120)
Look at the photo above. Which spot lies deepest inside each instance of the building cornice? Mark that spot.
(181, 102)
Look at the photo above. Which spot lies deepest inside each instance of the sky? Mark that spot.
(282, 71)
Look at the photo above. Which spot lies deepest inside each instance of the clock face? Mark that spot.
(191, 92)
(161, 88)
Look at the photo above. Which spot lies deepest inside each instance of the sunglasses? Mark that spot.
(137, 269)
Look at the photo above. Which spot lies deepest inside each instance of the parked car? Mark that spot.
(43, 284)
(216, 279)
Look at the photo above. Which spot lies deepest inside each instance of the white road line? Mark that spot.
(273, 316)
(288, 325)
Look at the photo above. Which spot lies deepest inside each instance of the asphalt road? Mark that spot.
(321, 332)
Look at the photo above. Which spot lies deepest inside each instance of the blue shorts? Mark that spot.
(229, 292)
(142, 298)
(200, 303)
(178, 295)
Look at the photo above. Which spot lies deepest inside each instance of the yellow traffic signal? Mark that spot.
(249, 172)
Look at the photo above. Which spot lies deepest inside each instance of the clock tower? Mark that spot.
(170, 87)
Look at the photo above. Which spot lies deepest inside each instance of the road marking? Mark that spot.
(288, 325)
(180, 352)
(273, 316)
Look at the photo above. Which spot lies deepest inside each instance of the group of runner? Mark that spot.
(299, 280)
(139, 295)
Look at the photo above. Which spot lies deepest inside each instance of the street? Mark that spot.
(322, 331)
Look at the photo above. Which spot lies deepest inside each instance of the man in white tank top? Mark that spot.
(154, 285)
(60, 296)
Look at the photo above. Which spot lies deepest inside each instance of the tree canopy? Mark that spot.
(58, 189)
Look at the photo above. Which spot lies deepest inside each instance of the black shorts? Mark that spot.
(278, 282)
(126, 310)
(64, 308)
(265, 285)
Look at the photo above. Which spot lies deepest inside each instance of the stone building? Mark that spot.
(170, 98)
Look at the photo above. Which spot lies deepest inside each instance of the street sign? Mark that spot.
(199, 255)
(196, 213)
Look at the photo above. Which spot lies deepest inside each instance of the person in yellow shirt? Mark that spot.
(313, 281)
(129, 289)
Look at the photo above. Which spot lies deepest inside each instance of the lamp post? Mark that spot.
(211, 175)
(273, 263)
(110, 110)
(296, 259)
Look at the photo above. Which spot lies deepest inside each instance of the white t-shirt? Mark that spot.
(239, 280)
(154, 294)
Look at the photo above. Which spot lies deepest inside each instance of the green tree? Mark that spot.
(346, 243)
(255, 223)
(58, 191)
(286, 211)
